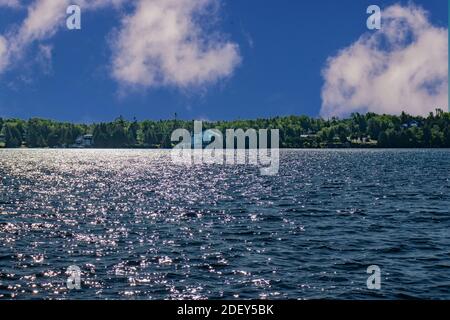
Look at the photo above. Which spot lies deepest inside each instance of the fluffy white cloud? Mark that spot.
(402, 67)
(163, 43)
(10, 3)
(44, 18)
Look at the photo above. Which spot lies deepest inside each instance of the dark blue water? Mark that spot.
(140, 227)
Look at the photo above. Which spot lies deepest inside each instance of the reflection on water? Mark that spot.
(140, 227)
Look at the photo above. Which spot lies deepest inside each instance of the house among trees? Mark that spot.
(411, 124)
(85, 141)
(2, 140)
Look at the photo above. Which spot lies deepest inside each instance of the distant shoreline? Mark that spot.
(358, 131)
(282, 149)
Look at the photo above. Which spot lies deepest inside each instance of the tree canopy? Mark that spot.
(358, 130)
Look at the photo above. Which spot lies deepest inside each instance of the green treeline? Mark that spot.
(369, 130)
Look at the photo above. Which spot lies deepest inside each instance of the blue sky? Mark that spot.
(283, 47)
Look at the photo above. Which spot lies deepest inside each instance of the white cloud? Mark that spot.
(10, 3)
(402, 67)
(163, 43)
(44, 18)
(3, 52)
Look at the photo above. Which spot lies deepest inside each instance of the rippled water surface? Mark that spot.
(140, 227)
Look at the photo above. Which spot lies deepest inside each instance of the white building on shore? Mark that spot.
(85, 141)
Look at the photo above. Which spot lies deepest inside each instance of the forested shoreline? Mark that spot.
(357, 131)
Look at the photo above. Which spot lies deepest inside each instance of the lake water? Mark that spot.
(140, 227)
